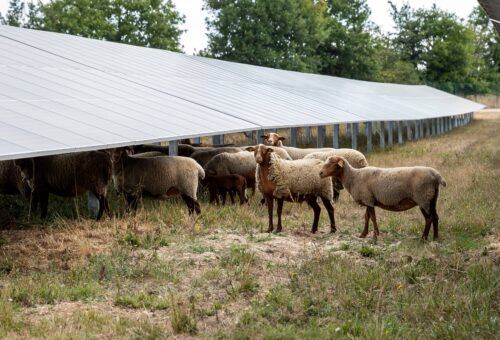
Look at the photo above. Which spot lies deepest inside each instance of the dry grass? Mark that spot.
(161, 273)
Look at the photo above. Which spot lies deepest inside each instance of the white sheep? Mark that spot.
(354, 157)
(395, 189)
(293, 181)
(275, 139)
(157, 177)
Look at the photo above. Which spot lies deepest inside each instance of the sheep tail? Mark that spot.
(201, 172)
(440, 179)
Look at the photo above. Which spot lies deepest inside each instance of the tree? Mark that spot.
(391, 67)
(487, 49)
(153, 23)
(439, 45)
(280, 33)
(15, 14)
(348, 50)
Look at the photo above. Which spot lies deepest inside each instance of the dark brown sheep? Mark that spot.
(11, 182)
(204, 156)
(226, 184)
(68, 175)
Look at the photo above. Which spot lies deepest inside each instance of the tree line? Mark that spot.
(331, 37)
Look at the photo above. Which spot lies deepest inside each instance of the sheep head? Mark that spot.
(333, 166)
(260, 152)
(273, 138)
(27, 169)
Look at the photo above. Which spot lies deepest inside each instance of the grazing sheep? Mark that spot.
(11, 182)
(295, 153)
(395, 189)
(355, 158)
(226, 184)
(203, 156)
(293, 181)
(68, 175)
(157, 177)
(241, 163)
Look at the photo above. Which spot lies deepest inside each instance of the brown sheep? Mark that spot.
(394, 189)
(293, 181)
(275, 139)
(226, 184)
(68, 175)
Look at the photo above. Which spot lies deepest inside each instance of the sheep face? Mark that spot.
(333, 166)
(260, 152)
(27, 168)
(273, 138)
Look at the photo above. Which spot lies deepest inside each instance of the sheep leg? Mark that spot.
(435, 217)
(279, 211)
(106, 207)
(132, 202)
(191, 204)
(231, 195)
(269, 201)
(317, 210)
(101, 206)
(331, 213)
(223, 194)
(375, 225)
(44, 203)
(367, 221)
(428, 222)
(241, 195)
(212, 196)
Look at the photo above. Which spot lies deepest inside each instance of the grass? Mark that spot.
(161, 273)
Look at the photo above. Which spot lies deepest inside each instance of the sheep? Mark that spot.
(182, 149)
(355, 158)
(274, 139)
(226, 184)
(293, 181)
(395, 189)
(157, 177)
(148, 154)
(241, 163)
(11, 182)
(203, 156)
(68, 175)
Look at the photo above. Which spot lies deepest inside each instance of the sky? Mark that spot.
(194, 39)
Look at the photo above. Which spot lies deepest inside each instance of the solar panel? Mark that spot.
(61, 93)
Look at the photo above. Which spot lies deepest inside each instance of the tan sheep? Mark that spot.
(293, 181)
(275, 139)
(157, 177)
(355, 158)
(395, 189)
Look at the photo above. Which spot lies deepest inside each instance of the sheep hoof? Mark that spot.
(279, 230)
(333, 230)
(363, 235)
(269, 230)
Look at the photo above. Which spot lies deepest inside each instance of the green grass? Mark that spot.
(161, 273)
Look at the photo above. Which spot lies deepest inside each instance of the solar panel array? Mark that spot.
(60, 93)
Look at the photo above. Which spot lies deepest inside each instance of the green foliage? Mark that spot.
(153, 23)
(282, 33)
(348, 50)
(440, 46)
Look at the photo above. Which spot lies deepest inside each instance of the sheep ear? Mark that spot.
(341, 163)
(250, 148)
(281, 138)
(269, 150)
(264, 136)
